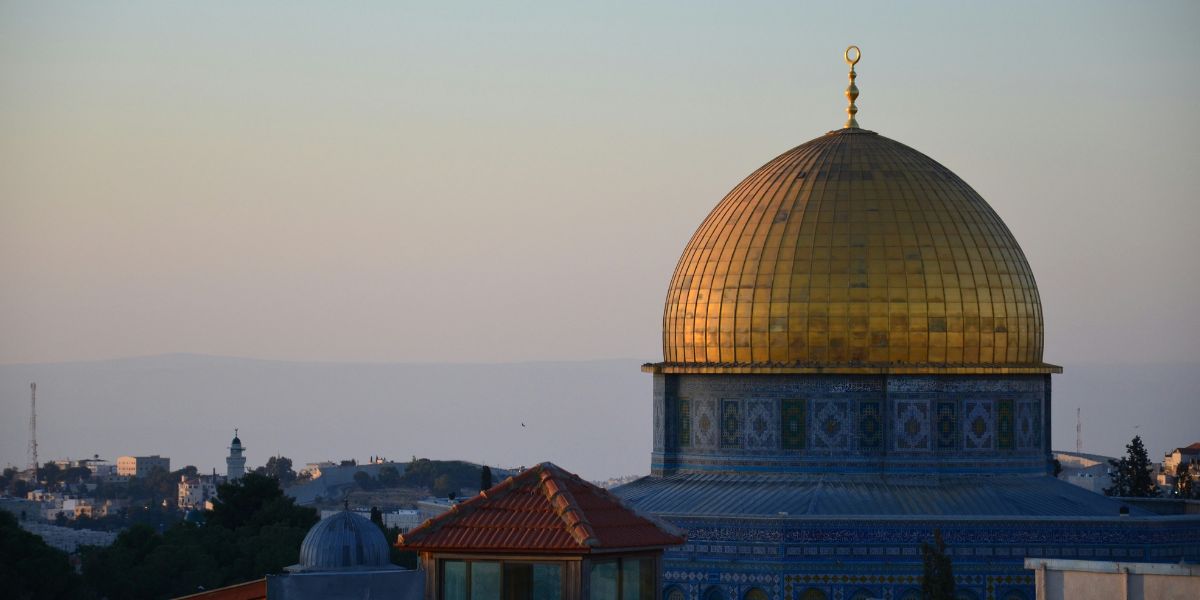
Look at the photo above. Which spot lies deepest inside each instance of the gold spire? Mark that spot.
(852, 90)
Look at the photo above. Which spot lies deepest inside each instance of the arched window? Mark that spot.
(1014, 595)
(714, 593)
(756, 594)
(813, 594)
(961, 594)
(863, 594)
(910, 594)
(674, 593)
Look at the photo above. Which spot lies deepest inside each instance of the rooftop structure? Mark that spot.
(544, 533)
(341, 542)
(853, 359)
(140, 466)
(235, 463)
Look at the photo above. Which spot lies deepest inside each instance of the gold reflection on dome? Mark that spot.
(853, 251)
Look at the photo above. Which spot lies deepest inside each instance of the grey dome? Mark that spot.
(344, 541)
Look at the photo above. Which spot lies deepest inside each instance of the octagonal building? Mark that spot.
(852, 359)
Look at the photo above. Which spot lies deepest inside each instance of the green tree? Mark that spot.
(253, 530)
(279, 467)
(17, 488)
(364, 480)
(937, 575)
(443, 486)
(49, 474)
(76, 474)
(1184, 486)
(1133, 474)
(485, 478)
(29, 568)
(388, 477)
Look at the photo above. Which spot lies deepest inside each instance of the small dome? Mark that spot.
(344, 541)
(237, 441)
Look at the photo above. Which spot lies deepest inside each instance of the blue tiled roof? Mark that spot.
(344, 541)
(732, 495)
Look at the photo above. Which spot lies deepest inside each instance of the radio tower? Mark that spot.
(33, 428)
(1078, 431)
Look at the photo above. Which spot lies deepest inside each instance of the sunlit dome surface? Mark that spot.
(853, 251)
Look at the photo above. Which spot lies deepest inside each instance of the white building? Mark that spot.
(235, 463)
(1061, 579)
(1188, 455)
(405, 519)
(1088, 471)
(140, 466)
(195, 492)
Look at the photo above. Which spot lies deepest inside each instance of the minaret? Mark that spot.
(235, 464)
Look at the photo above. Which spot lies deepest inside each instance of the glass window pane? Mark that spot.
(518, 580)
(630, 581)
(454, 580)
(646, 576)
(604, 579)
(547, 582)
(485, 580)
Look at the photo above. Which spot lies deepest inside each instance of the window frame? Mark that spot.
(500, 562)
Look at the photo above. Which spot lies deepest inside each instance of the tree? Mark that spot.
(377, 518)
(253, 530)
(17, 488)
(485, 478)
(443, 486)
(364, 480)
(76, 474)
(1057, 467)
(388, 477)
(279, 467)
(50, 474)
(1184, 486)
(1133, 474)
(30, 568)
(937, 575)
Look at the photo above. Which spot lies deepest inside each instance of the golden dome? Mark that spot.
(853, 253)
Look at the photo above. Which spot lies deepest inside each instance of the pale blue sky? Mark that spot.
(514, 181)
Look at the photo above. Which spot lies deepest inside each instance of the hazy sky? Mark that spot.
(497, 181)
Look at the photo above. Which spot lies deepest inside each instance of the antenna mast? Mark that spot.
(1079, 431)
(33, 428)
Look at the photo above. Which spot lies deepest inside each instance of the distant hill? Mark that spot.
(591, 417)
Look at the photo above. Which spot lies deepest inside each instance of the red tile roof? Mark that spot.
(543, 510)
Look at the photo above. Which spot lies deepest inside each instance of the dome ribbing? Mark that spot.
(853, 251)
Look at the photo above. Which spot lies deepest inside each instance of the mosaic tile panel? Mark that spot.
(731, 424)
(947, 424)
(761, 419)
(979, 425)
(704, 431)
(831, 425)
(684, 420)
(912, 425)
(870, 425)
(793, 424)
(659, 427)
(1029, 430)
(1004, 424)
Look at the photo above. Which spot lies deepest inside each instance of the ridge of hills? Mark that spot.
(590, 417)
